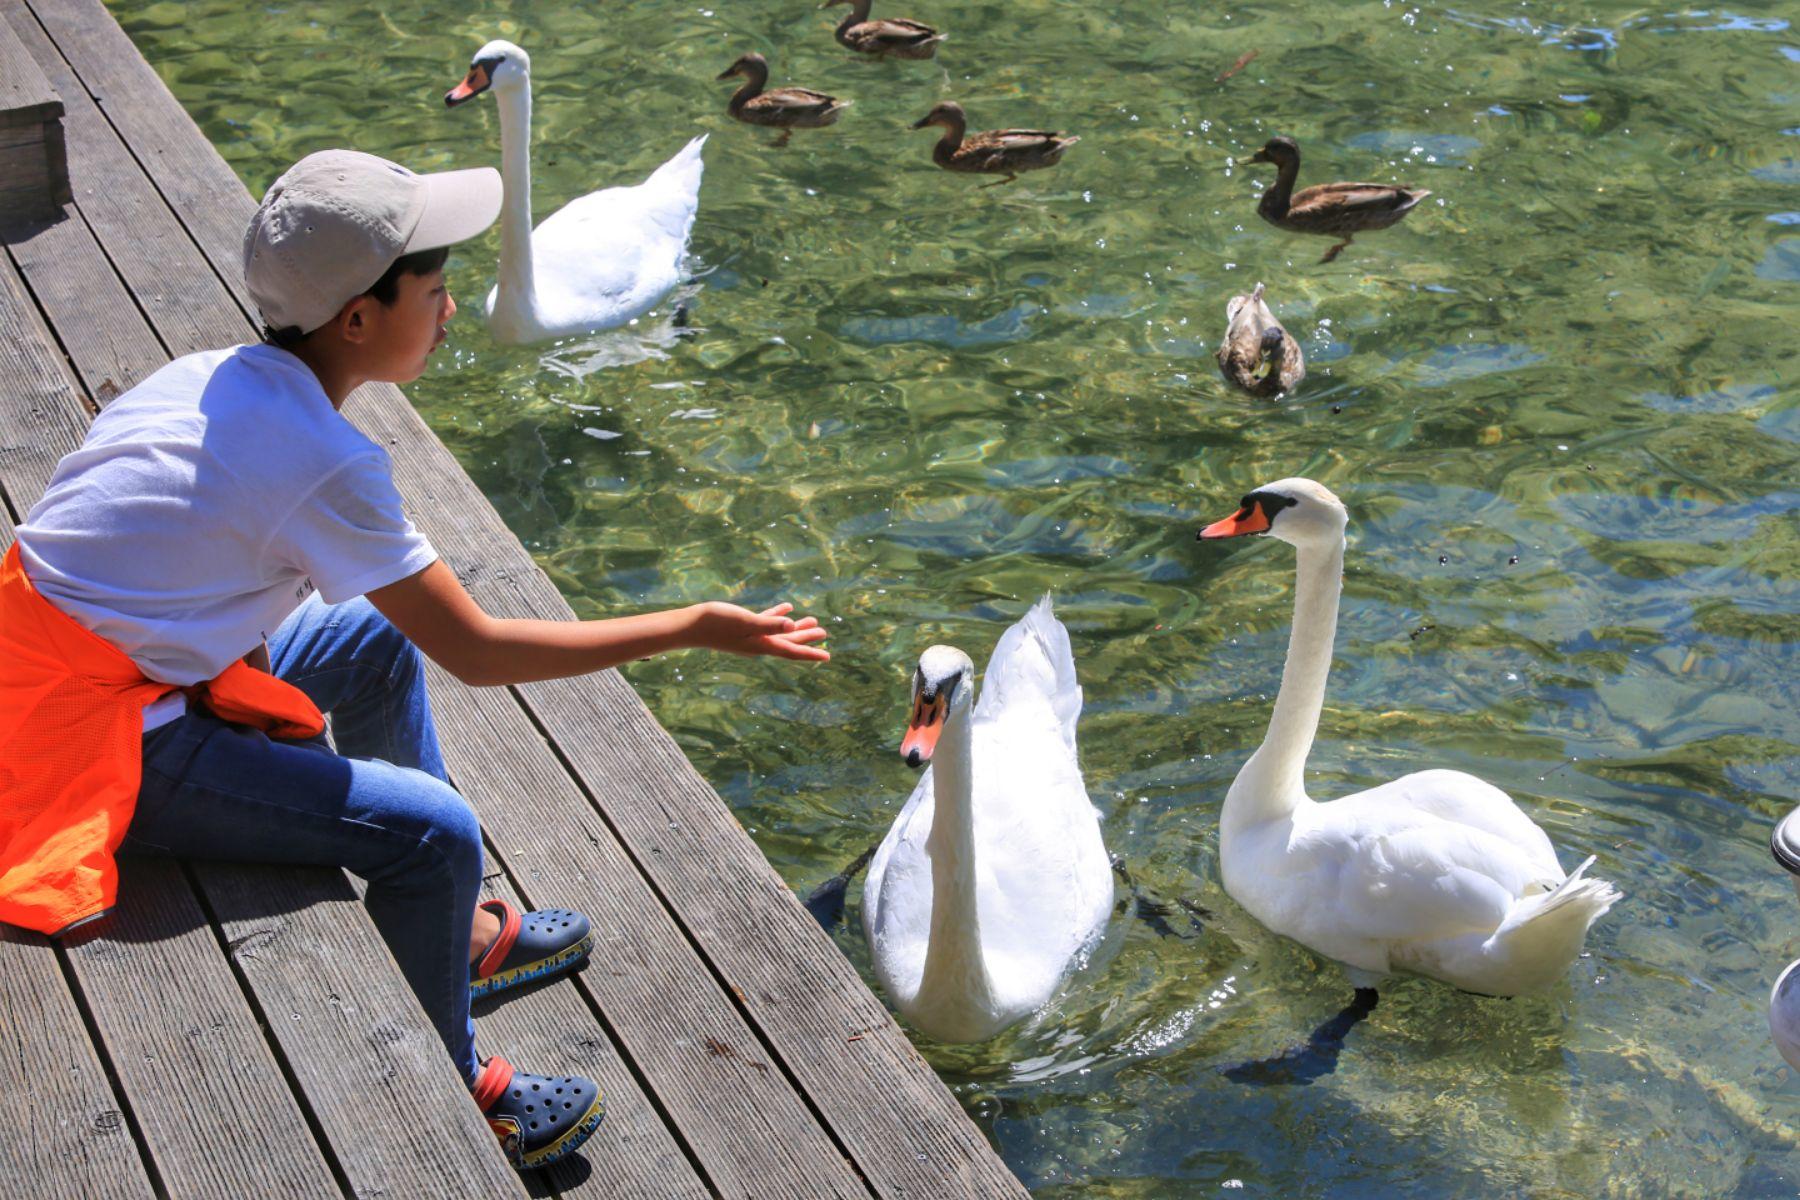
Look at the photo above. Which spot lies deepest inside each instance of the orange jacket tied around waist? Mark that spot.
(71, 751)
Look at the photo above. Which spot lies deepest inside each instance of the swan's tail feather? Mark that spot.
(1545, 932)
(1034, 657)
(673, 192)
(683, 170)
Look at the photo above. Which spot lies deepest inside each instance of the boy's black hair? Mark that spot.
(386, 290)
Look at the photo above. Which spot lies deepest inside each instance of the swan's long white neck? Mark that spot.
(954, 965)
(516, 283)
(1272, 784)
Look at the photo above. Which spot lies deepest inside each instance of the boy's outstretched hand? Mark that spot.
(737, 630)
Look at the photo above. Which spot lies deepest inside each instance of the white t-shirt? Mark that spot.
(206, 504)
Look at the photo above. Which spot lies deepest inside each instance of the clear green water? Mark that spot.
(912, 405)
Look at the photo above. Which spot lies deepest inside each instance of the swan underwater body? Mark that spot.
(599, 261)
(994, 876)
(1437, 873)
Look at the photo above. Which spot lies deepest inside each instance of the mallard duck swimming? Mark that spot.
(994, 152)
(786, 108)
(1328, 208)
(1257, 354)
(885, 36)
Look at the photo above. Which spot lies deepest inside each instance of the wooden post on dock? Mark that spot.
(34, 169)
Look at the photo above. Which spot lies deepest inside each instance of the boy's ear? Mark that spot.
(352, 321)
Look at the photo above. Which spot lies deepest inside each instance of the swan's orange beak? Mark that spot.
(473, 84)
(922, 732)
(1249, 519)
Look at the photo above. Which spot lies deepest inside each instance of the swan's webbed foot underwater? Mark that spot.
(1317, 1057)
(1155, 912)
(826, 902)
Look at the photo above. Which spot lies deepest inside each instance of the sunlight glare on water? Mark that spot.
(1559, 401)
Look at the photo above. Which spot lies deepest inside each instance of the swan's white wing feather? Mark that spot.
(1402, 875)
(1033, 665)
(604, 258)
(1462, 800)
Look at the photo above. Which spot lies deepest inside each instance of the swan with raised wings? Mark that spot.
(1437, 873)
(599, 261)
(994, 876)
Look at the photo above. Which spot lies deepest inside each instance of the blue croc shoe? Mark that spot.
(531, 946)
(538, 1119)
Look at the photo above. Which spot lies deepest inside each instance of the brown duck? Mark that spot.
(1258, 355)
(894, 37)
(1328, 208)
(786, 108)
(994, 152)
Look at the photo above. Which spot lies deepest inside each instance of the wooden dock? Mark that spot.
(240, 1031)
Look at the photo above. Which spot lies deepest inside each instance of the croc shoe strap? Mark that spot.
(496, 1077)
(510, 924)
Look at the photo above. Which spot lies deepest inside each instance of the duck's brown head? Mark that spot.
(750, 66)
(1278, 150)
(947, 113)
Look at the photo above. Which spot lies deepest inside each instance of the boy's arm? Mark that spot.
(444, 622)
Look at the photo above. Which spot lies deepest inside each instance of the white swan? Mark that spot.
(600, 260)
(994, 875)
(1436, 873)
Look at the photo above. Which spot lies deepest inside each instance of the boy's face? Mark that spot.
(397, 338)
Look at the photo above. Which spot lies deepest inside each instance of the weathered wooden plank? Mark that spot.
(38, 425)
(147, 243)
(371, 1130)
(552, 1029)
(750, 1131)
(188, 1050)
(108, 343)
(26, 96)
(388, 1100)
(68, 1138)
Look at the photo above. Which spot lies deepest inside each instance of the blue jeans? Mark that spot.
(381, 806)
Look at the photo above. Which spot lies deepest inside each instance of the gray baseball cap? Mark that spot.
(335, 221)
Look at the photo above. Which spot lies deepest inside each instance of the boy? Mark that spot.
(226, 557)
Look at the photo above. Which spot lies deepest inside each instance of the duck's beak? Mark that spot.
(1259, 156)
(922, 122)
(1248, 519)
(923, 730)
(727, 73)
(473, 84)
